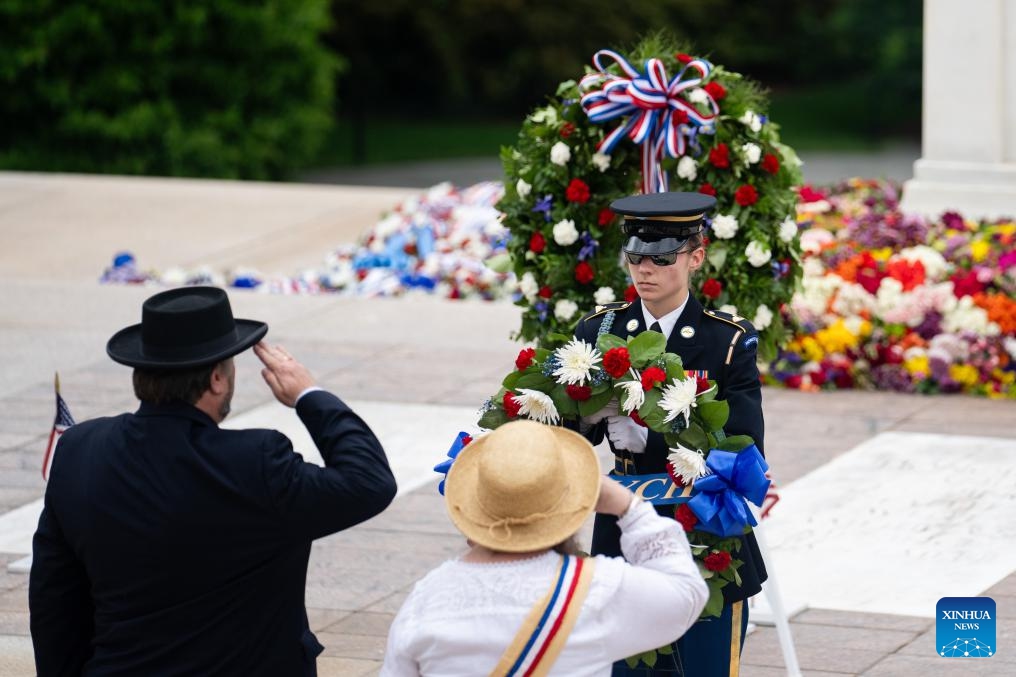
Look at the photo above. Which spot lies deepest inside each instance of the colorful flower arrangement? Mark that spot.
(896, 302)
(652, 387)
(705, 126)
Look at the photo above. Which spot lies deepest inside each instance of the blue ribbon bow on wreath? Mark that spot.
(718, 499)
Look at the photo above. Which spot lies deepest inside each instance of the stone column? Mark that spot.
(968, 161)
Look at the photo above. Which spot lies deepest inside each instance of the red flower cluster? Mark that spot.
(909, 273)
(630, 294)
(545, 292)
(578, 393)
(683, 514)
(584, 273)
(712, 288)
(771, 163)
(652, 376)
(707, 189)
(577, 191)
(684, 58)
(717, 561)
(716, 90)
(567, 129)
(701, 385)
(966, 284)
(511, 407)
(537, 243)
(719, 156)
(617, 362)
(525, 358)
(606, 216)
(746, 195)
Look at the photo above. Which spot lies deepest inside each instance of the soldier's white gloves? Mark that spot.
(594, 418)
(624, 433)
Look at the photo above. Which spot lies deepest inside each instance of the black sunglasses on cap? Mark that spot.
(667, 259)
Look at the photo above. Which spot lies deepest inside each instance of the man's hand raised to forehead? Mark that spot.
(284, 375)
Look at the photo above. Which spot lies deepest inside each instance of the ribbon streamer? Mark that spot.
(461, 440)
(719, 498)
(659, 116)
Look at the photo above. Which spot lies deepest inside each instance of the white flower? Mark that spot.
(678, 399)
(564, 310)
(758, 254)
(688, 463)
(935, 265)
(565, 232)
(529, 286)
(634, 395)
(601, 161)
(560, 153)
(763, 317)
(813, 239)
(603, 296)
(523, 188)
(698, 95)
(577, 359)
(546, 115)
(1010, 346)
(724, 226)
(752, 120)
(752, 152)
(687, 169)
(536, 406)
(728, 308)
(788, 229)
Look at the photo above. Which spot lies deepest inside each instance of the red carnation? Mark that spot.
(716, 90)
(717, 561)
(577, 191)
(685, 516)
(719, 156)
(793, 381)
(537, 243)
(545, 292)
(606, 216)
(679, 117)
(630, 294)
(652, 376)
(707, 189)
(771, 163)
(525, 358)
(746, 195)
(467, 439)
(818, 377)
(712, 288)
(684, 58)
(634, 415)
(617, 362)
(511, 407)
(579, 393)
(584, 273)
(567, 129)
(701, 385)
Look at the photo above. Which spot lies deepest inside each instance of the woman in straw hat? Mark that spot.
(519, 601)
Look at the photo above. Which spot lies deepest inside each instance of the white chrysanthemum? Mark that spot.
(529, 286)
(788, 229)
(728, 308)
(560, 153)
(577, 360)
(634, 396)
(752, 120)
(758, 254)
(752, 152)
(698, 95)
(536, 406)
(724, 226)
(601, 161)
(523, 188)
(565, 232)
(678, 399)
(763, 317)
(688, 463)
(687, 168)
(603, 296)
(565, 310)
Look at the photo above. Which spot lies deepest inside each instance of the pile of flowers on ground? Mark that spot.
(894, 301)
(438, 241)
(633, 119)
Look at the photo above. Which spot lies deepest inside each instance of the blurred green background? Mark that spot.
(264, 90)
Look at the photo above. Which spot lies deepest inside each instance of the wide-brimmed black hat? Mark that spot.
(184, 328)
(661, 223)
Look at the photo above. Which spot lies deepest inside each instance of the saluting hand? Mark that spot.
(284, 375)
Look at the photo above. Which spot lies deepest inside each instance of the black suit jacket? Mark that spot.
(725, 348)
(170, 546)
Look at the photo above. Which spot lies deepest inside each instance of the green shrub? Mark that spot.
(216, 88)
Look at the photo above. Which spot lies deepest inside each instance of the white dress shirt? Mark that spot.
(668, 321)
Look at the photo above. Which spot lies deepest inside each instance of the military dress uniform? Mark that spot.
(722, 348)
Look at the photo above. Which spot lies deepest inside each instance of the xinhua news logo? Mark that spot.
(965, 627)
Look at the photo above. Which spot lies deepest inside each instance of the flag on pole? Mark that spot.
(62, 422)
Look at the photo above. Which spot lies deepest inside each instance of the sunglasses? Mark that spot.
(667, 259)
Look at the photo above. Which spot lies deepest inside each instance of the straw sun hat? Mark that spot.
(525, 486)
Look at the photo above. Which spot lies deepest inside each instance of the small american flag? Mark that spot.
(62, 422)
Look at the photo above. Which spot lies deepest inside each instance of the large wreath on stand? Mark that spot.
(622, 129)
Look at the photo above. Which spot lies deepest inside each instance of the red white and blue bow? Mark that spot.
(660, 118)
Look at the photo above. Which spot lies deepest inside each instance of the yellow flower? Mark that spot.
(964, 374)
(811, 349)
(836, 338)
(979, 250)
(882, 254)
(1007, 228)
(917, 365)
(1006, 378)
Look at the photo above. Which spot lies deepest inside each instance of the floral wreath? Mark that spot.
(571, 161)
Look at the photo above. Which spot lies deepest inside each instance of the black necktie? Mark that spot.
(656, 327)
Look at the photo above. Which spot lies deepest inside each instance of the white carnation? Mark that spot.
(687, 169)
(560, 153)
(752, 152)
(601, 161)
(728, 308)
(763, 317)
(565, 232)
(603, 296)
(529, 286)
(724, 226)
(788, 229)
(565, 310)
(698, 95)
(752, 120)
(523, 188)
(758, 254)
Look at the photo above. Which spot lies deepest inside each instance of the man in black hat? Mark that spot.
(663, 248)
(170, 546)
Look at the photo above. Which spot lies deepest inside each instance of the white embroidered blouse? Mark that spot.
(461, 617)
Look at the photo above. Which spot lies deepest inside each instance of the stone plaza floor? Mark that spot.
(438, 358)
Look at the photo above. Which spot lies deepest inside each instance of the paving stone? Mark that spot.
(854, 619)
(328, 666)
(392, 603)
(15, 599)
(9, 581)
(15, 497)
(363, 623)
(14, 623)
(926, 644)
(880, 640)
(898, 665)
(763, 648)
(16, 656)
(368, 647)
(319, 619)
(1006, 586)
